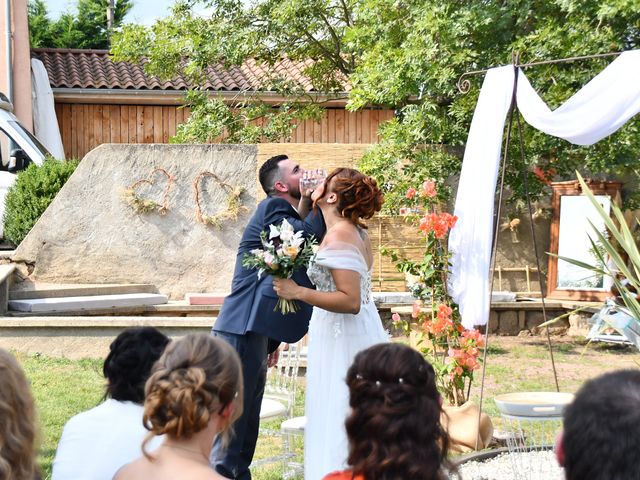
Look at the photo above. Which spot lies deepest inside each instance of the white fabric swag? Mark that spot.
(600, 108)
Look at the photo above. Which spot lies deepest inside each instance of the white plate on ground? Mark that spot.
(533, 404)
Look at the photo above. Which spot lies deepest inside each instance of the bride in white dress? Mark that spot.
(345, 319)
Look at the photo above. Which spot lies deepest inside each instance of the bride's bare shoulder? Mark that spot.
(341, 234)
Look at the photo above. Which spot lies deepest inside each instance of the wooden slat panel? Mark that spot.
(74, 131)
(324, 128)
(165, 124)
(299, 136)
(67, 126)
(147, 116)
(124, 123)
(139, 124)
(114, 124)
(317, 132)
(359, 129)
(308, 131)
(353, 128)
(374, 121)
(331, 125)
(105, 136)
(172, 121)
(158, 127)
(89, 118)
(96, 119)
(340, 126)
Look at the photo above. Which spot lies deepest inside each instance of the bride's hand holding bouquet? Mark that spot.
(283, 252)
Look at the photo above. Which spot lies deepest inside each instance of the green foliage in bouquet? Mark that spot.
(31, 194)
(283, 252)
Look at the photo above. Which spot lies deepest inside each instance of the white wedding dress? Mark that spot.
(334, 340)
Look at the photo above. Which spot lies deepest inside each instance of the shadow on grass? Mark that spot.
(496, 350)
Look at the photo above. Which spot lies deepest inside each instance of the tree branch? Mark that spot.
(347, 13)
(338, 62)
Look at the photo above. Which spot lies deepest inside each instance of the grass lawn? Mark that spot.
(63, 387)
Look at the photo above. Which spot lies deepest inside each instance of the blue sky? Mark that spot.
(143, 11)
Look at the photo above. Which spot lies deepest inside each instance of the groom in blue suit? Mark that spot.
(247, 319)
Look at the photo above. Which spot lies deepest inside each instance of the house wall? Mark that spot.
(85, 126)
(21, 61)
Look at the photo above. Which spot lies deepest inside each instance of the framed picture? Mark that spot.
(571, 230)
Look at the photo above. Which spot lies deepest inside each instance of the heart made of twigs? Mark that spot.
(233, 206)
(142, 204)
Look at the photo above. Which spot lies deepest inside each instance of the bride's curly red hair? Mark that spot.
(359, 196)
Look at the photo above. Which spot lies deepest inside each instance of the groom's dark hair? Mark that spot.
(270, 173)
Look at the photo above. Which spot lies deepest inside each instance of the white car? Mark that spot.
(18, 148)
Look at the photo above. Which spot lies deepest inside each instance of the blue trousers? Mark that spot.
(235, 460)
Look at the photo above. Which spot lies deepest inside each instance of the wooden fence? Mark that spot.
(395, 233)
(85, 126)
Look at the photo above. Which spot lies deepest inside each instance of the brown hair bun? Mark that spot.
(359, 196)
(195, 378)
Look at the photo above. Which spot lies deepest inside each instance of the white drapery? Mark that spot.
(600, 108)
(45, 122)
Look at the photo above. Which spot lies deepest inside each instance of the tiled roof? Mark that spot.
(71, 68)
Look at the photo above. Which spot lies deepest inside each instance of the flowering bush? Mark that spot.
(452, 350)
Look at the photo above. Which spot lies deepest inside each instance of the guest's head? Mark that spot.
(280, 176)
(394, 427)
(352, 194)
(600, 440)
(17, 422)
(128, 365)
(196, 386)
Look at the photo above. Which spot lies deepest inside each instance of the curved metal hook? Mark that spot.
(464, 84)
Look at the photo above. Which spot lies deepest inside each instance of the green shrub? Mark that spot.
(31, 194)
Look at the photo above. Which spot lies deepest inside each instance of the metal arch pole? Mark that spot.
(464, 85)
(535, 250)
(494, 248)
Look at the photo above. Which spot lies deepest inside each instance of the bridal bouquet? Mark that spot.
(283, 252)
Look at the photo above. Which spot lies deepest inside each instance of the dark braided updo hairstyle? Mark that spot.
(359, 196)
(196, 377)
(128, 365)
(394, 427)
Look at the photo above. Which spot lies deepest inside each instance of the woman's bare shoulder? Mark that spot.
(344, 233)
(138, 470)
(131, 470)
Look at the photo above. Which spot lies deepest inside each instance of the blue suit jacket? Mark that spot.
(250, 306)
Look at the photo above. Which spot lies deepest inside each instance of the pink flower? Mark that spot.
(472, 363)
(395, 317)
(444, 312)
(429, 189)
(438, 224)
(416, 310)
(411, 193)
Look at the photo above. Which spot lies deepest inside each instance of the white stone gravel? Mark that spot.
(537, 465)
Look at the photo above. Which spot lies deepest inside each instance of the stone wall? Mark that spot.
(89, 234)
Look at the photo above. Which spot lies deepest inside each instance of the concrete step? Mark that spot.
(85, 336)
(173, 308)
(83, 303)
(26, 290)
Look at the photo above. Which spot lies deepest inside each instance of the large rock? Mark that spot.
(89, 234)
